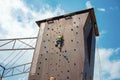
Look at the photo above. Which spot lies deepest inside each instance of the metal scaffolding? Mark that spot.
(19, 69)
(13, 41)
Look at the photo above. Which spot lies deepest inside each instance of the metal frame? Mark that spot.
(10, 71)
(14, 43)
(1, 76)
(24, 68)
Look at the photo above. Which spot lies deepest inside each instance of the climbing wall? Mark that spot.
(49, 61)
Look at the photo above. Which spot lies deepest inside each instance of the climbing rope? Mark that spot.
(99, 62)
(65, 52)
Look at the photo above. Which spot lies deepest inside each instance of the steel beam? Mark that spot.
(10, 71)
(1, 76)
(18, 38)
(17, 49)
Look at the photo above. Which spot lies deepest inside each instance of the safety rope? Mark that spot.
(99, 62)
(64, 55)
(58, 25)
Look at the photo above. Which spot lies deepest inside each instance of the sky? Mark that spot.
(17, 19)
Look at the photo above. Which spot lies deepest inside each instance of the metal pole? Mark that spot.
(18, 38)
(2, 72)
(17, 49)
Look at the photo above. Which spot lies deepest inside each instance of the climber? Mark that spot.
(59, 42)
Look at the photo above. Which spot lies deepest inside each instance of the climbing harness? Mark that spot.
(60, 42)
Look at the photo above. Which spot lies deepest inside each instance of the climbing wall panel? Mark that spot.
(67, 64)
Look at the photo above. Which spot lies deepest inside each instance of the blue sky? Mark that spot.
(18, 18)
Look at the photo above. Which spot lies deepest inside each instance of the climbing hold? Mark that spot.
(65, 57)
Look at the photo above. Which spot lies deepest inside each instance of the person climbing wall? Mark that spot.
(59, 42)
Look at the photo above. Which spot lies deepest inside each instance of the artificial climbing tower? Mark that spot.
(76, 59)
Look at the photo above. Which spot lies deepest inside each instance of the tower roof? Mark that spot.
(92, 15)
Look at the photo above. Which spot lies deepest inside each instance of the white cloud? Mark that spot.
(88, 4)
(18, 20)
(115, 70)
(101, 9)
(109, 69)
